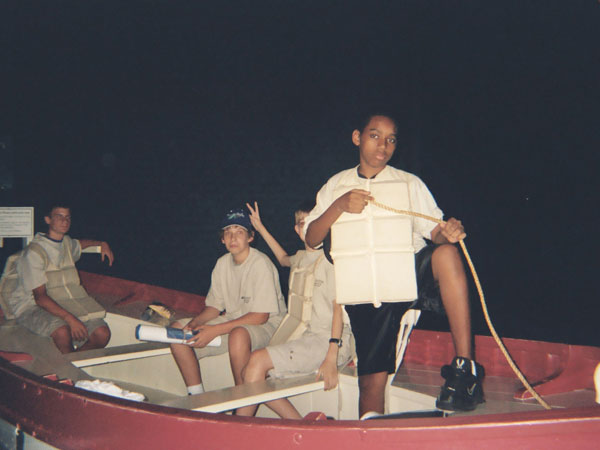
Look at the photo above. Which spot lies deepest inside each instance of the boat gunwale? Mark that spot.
(40, 383)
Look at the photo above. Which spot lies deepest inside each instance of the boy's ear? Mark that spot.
(298, 230)
(47, 220)
(356, 137)
(250, 237)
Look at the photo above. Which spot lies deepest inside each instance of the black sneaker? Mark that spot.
(463, 389)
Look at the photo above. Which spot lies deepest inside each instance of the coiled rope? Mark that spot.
(503, 349)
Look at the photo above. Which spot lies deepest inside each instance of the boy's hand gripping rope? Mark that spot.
(503, 349)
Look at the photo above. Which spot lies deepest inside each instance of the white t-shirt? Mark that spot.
(420, 199)
(252, 286)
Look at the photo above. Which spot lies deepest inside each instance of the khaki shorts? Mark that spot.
(305, 354)
(260, 335)
(41, 322)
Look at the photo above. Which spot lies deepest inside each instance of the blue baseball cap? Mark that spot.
(237, 216)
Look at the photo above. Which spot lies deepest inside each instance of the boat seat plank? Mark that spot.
(117, 353)
(247, 394)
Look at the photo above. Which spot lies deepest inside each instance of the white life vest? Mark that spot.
(301, 287)
(64, 287)
(373, 251)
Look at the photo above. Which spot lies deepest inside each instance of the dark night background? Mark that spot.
(152, 118)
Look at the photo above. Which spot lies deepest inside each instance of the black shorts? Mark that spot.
(376, 329)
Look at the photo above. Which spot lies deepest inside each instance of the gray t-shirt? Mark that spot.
(252, 286)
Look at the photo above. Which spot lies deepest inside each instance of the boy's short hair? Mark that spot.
(251, 234)
(48, 208)
(363, 120)
(305, 207)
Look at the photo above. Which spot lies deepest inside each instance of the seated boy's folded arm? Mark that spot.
(208, 313)
(43, 300)
(251, 318)
(105, 250)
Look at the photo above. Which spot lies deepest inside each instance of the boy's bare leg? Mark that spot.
(186, 360)
(256, 370)
(240, 349)
(62, 339)
(449, 271)
(284, 408)
(372, 392)
(98, 339)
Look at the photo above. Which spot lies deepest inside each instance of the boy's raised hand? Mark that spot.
(255, 217)
(353, 201)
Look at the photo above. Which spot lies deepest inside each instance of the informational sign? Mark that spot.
(16, 222)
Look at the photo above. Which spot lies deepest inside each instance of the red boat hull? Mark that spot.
(70, 418)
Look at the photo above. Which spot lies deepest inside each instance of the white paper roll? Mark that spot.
(168, 334)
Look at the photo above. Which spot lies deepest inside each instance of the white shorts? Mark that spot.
(305, 354)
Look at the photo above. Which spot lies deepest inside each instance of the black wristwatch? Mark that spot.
(336, 341)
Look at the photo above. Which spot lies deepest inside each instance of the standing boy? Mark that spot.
(244, 305)
(440, 273)
(324, 345)
(47, 279)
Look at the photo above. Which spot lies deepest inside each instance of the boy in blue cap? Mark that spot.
(244, 305)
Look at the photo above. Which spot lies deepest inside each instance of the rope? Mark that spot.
(503, 349)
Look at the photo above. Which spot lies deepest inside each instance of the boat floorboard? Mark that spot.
(499, 391)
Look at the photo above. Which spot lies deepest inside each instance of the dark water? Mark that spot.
(152, 120)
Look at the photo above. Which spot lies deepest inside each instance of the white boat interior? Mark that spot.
(149, 369)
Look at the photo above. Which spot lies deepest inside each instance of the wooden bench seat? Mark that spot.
(247, 394)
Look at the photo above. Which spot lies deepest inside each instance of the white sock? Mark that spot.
(195, 389)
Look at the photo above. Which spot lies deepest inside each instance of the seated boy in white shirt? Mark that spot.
(244, 305)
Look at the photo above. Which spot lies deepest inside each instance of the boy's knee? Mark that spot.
(239, 338)
(101, 336)
(257, 366)
(446, 257)
(62, 333)
(445, 251)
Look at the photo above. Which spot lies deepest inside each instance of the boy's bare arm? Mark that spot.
(208, 313)
(353, 202)
(207, 333)
(104, 248)
(277, 249)
(43, 300)
(328, 369)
